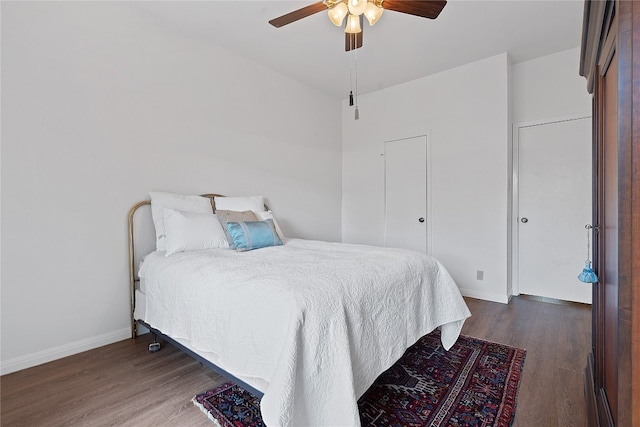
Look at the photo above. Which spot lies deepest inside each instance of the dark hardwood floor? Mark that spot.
(557, 337)
(124, 384)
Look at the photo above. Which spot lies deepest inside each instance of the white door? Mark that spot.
(406, 193)
(554, 205)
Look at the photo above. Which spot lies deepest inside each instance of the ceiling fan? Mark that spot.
(355, 10)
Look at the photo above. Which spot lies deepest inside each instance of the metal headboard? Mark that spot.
(132, 268)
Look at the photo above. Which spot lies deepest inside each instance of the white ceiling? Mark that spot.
(399, 48)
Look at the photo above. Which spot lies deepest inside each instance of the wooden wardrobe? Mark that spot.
(610, 61)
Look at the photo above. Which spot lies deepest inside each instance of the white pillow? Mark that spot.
(187, 231)
(239, 204)
(269, 215)
(160, 201)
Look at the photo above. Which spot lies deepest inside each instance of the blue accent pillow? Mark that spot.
(250, 235)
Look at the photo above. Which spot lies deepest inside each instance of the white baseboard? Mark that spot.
(488, 296)
(141, 330)
(44, 356)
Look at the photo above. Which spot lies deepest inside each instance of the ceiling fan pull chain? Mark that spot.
(357, 112)
(350, 83)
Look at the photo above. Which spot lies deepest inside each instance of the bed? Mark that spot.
(306, 325)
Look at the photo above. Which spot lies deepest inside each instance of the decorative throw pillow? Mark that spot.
(253, 234)
(186, 231)
(160, 201)
(233, 216)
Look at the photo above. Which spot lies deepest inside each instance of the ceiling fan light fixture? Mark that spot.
(373, 13)
(353, 25)
(337, 14)
(357, 7)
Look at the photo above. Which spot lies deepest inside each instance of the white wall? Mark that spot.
(549, 87)
(465, 112)
(468, 113)
(100, 106)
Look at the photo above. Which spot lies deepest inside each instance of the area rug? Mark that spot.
(473, 384)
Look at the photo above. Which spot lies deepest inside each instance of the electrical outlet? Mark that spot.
(480, 275)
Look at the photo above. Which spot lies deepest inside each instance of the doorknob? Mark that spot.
(524, 220)
(421, 219)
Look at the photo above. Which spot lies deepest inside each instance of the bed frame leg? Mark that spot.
(155, 345)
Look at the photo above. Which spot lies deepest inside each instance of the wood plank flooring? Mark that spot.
(124, 384)
(557, 337)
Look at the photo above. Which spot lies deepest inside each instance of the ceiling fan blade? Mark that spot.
(424, 8)
(352, 41)
(298, 14)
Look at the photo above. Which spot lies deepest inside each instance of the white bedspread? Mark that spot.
(311, 324)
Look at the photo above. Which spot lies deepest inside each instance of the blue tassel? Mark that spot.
(588, 275)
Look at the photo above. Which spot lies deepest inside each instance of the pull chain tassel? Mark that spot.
(588, 275)
(350, 98)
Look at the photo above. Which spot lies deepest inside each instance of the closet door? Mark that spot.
(406, 194)
(553, 205)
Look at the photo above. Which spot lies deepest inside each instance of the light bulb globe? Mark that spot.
(353, 25)
(357, 7)
(337, 14)
(373, 13)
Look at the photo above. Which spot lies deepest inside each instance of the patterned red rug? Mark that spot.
(473, 384)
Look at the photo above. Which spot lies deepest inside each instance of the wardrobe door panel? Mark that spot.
(609, 234)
